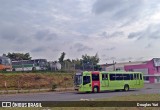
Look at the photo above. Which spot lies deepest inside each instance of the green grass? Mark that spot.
(144, 97)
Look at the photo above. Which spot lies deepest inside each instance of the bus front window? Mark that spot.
(78, 79)
(86, 80)
(6, 61)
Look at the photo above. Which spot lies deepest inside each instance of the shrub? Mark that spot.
(53, 86)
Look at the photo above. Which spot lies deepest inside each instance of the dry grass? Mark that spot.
(35, 80)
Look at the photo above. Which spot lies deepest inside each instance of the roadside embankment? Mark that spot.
(35, 82)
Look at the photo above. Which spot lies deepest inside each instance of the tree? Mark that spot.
(19, 56)
(89, 62)
(61, 59)
(90, 59)
(4, 55)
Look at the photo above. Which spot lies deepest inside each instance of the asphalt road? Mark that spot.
(74, 96)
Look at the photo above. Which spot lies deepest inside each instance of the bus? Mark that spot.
(5, 64)
(97, 81)
(29, 65)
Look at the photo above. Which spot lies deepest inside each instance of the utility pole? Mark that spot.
(92, 66)
(113, 65)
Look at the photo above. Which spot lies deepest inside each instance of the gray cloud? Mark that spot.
(110, 49)
(114, 34)
(119, 8)
(139, 58)
(151, 32)
(14, 34)
(104, 55)
(80, 47)
(134, 35)
(110, 58)
(46, 27)
(9, 33)
(148, 46)
(117, 34)
(45, 34)
(39, 49)
(126, 59)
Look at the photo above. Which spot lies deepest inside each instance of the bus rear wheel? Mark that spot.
(95, 90)
(34, 69)
(126, 88)
(13, 69)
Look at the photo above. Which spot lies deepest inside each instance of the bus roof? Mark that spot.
(3, 57)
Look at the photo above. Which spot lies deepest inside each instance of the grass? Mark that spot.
(143, 97)
(25, 81)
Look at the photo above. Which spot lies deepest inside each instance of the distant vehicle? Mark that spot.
(96, 81)
(29, 65)
(53, 66)
(5, 63)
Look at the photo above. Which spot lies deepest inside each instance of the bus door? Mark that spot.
(87, 83)
(104, 81)
(96, 81)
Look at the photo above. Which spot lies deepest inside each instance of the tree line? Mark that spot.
(85, 62)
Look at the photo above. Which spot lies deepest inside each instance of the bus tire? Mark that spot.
(13, 69)
(126, 87)
(95, 89)
(33, 69)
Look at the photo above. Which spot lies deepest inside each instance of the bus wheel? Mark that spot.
(95, 90)
(126, 88)
(13, 69)
(33, 69)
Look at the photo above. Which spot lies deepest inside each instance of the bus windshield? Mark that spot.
(5, 61)
(78, 79)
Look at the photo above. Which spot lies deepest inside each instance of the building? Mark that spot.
(120, 66)
(151, 68)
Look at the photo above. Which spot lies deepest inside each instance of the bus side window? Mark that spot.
(140, 76)
(126, 77)
(104, 77)
(135, 77)
(112, 77)
(131, 76)
(119, 77)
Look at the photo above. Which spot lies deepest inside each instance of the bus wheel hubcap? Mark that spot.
(126, 88)
(95, 89)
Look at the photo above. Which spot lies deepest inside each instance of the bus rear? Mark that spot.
(5, 64)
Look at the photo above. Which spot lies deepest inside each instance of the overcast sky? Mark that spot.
(120, 30)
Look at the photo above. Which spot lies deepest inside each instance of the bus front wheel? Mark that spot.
(95, 90)
(126, 88)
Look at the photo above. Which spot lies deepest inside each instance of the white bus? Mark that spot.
(29, 65)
